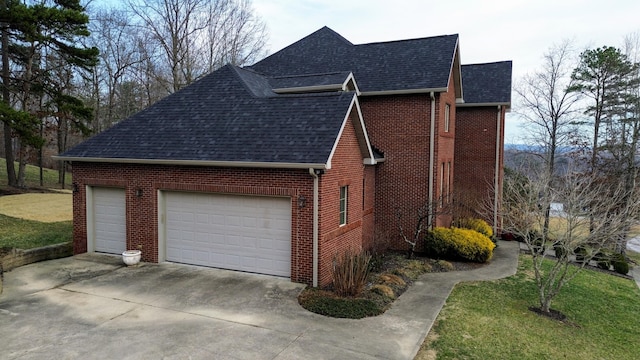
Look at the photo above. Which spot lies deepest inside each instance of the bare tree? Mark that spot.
(548, 106)
(199, 36)
(585, 196)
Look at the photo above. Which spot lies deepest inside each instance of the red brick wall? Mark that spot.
(347, 170)
(142, 213)
(475, 152)
(399, 127)
(445, 148)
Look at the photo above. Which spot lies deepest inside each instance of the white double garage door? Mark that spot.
(237, 232)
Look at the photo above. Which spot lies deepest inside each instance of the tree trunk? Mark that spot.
(8, 148)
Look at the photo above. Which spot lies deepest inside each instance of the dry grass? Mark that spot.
(46, 208)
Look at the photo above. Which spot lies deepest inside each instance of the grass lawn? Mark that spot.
(32, 176)
(491, 320)
(28, 234)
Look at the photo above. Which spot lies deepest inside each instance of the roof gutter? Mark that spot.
(244, 164)
(466, 104)
(496, 178)
(403, 92)
(307, 89)
(432, 146)
(313, 172)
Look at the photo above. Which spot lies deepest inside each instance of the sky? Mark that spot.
(517, 30)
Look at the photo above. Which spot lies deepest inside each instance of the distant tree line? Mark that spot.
(71, 70)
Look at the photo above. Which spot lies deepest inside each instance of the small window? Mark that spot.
(447, 114)
(343, 204)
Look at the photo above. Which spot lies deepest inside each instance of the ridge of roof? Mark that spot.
(408, 40)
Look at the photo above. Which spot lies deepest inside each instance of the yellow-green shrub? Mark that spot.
(459, 243)
(478, 225)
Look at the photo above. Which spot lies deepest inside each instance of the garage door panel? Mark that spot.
(247, 233)
(109, 220)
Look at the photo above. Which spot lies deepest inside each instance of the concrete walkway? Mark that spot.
(89, 306)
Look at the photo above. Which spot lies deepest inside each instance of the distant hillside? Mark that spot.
(528, 159)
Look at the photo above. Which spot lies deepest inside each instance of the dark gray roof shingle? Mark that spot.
(488, 83)
(229, 115)
(424, 63)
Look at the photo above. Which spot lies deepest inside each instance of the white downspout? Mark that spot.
(496, 177)
(432, 146)
(312, 171)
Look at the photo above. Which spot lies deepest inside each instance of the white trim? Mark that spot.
(312, 172)
(505, 104)
(308, 89)
(496, 178)
(162, 226)
(90, 219)
(403, 92)
(276, 165)
(346, 205)
(432, 145)
(369, 151)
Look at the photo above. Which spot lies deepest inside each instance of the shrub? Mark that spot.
(602, 259)
(321, 302)
(620, 265)
(561, 252)
(478, 225)
(350, 271)
(383, 290)
(581, 254)
(459, 243)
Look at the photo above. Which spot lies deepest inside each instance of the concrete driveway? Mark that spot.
(90, 306)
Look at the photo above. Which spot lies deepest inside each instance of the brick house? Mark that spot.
(278, 167)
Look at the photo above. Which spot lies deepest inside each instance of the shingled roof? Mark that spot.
(414, 65)
(487, 84)
(230, 117)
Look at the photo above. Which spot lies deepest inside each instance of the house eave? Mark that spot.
(308, 89)
(242, 164)
(507, 104)
(403, 92)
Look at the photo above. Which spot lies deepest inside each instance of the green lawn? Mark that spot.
(491, 320)
(28, 234)
(32, 176)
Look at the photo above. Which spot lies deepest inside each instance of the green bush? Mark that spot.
(459, 243)
(561, 252)
(321, 302)
(478, 225)
(603, 260)
(350, 271)
(581, 254)
(620, 264)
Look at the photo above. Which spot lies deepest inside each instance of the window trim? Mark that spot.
(343, 205)
(447, 117)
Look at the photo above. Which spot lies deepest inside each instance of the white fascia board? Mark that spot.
(507, 104)
(403, 92)
(242, 164)
(308, 89)
(350, 77)
(354, 102)
(457, 66)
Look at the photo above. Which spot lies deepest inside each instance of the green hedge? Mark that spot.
(459, 243)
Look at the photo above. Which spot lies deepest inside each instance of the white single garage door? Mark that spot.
(237, 232)
(109, 216)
